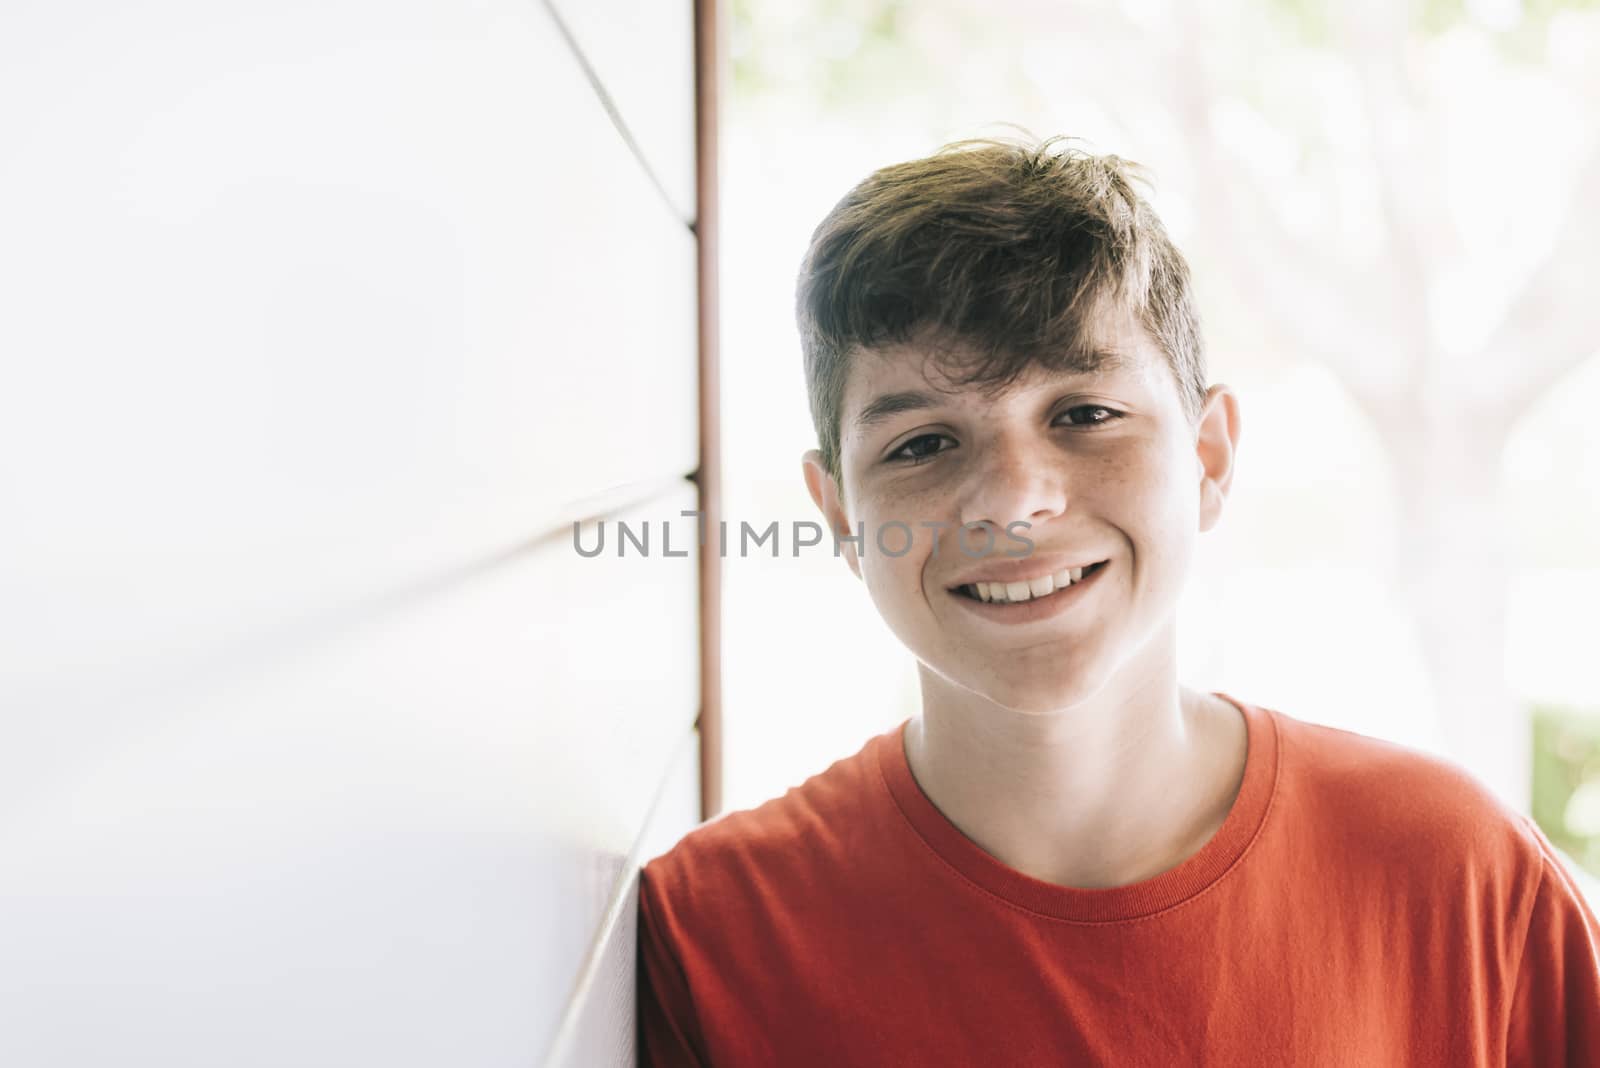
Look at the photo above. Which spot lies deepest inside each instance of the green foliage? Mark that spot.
(1566, 781)
(881, 60)
(837, 46)
(1308, 20)
(1316, 22)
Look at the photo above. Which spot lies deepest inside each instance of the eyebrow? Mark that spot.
(891, 404)
(886, 405)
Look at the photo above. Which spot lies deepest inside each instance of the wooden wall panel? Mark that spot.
(600, 1022)
(323, 746)
(321, 304)
(395, 848)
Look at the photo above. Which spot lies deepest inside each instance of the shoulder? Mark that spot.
(1400, 806)
(784, 847)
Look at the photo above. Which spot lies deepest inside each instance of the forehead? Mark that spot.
(886, 380)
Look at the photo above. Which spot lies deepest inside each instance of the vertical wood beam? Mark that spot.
(709, 41)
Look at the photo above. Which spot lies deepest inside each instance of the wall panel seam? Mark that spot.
(592, 76)
(620, 899)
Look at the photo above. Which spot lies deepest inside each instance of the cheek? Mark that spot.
(1148, 494)
(894, 509)
(1169, 510)
(892, 545)
(893, 577)
(906, 499)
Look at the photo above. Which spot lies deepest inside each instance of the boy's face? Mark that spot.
(1106, 469)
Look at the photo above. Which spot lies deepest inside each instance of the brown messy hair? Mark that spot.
(1010, 246)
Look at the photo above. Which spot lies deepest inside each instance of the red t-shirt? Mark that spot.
(1362, 904)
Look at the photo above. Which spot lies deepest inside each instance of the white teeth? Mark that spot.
(1016, 592)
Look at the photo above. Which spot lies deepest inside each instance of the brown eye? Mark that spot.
(921, 447)
(1101, 415)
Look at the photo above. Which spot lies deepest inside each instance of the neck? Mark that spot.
(1113, 789)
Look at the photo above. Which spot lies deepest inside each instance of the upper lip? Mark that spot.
(1034, 565)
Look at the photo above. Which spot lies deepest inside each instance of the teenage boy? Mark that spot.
(1067, 857)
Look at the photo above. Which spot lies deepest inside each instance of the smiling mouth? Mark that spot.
(1030, 590)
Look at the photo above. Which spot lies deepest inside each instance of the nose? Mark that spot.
(1017, 478)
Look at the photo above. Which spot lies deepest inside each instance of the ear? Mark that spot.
(1215, 447)
(825, 492)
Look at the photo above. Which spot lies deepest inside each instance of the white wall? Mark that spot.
(321, 322)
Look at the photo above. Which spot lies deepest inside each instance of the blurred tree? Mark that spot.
(1566, 796)
(1372, 285)
(1356, 198)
